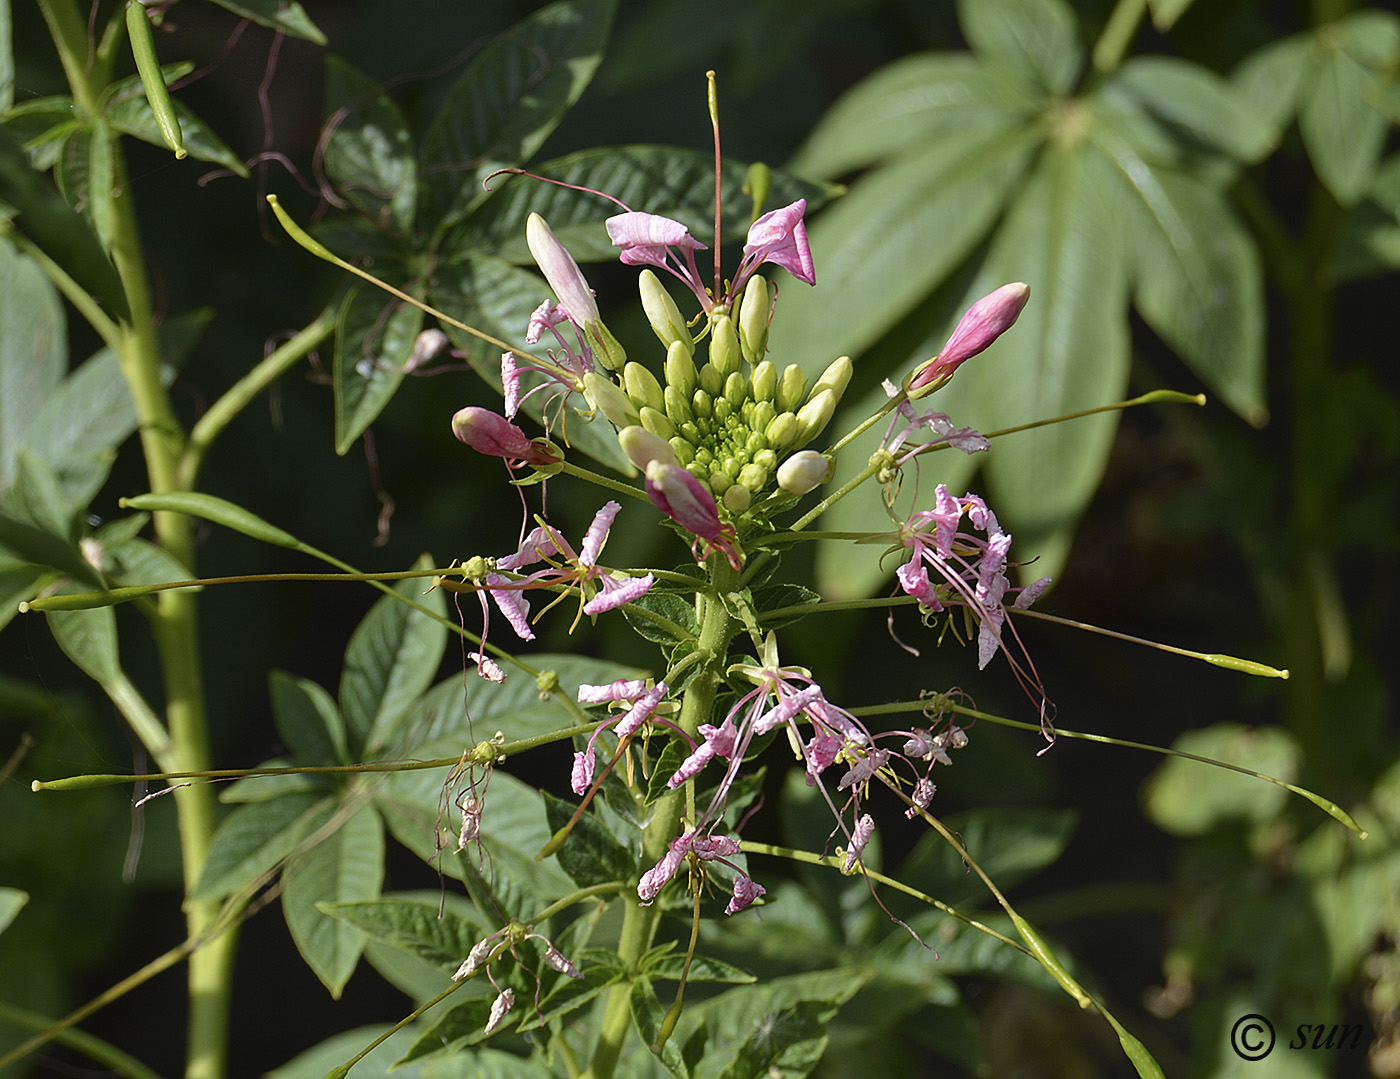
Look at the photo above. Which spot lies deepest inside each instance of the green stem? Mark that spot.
(1118, 34)
(112, 1059)
(717, 629)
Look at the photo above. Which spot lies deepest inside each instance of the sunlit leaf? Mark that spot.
(1037, 39)
(370, 154)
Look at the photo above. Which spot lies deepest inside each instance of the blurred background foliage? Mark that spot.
(1263, 525)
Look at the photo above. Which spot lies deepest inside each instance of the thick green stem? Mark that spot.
(639, 923)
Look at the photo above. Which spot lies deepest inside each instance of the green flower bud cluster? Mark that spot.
(733, 419)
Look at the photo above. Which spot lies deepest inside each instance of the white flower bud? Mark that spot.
(804, 471)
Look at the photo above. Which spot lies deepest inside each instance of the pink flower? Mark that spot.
(643, 703)
(745, 892)
(985, 321)
(779, 237)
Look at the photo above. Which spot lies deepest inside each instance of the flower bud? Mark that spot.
(835, 378)
(602, 394)
(781, 430)
(764, 381)
(561, 271)
(684, 499)
(985, 321)
(677, 401)
(683, 449)
(813, 417)
(663, 314)
(702, 403)
(642, 447)
(804, 471)
(753, 476)
(737, 498)
(792, 388)
(724, 345)
(657, 423)
(754, 312)
(607, 349)
(494, 435)
(642, 387)
(736, 388)
(711, 381)
(680, 369)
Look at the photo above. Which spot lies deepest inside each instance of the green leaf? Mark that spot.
(415, 928)
(33, 350)
(1036, 39)
(1342, 129)
(89, 639)
(1186, 797)
(218, 510)
(307, 719)
(511, 96)
(460, 1027)
(1369, 241)
(285, 15)
(39, 498)
(896, 235)
(129, 112)
(42, 126)
(648, 1014)
(85, 178)
(903, 105)
(1272, 77)
(346, 867)
(255, 838)
(592, 854)
(668, 967)
(11, 899)
(600, 970)
(1009, 843)
(57, 229)
(1196, 105)
(7, 57)
(374, 337)
(1067, 352)
(1198, 282)
(676, 609)
(26, 543)
(136, 562)
(390, 660)
(370, 155)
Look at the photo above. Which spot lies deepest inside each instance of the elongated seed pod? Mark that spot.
(143, 49)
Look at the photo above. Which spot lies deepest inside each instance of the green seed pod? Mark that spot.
(680, 369)
(642, 387)
(677, 404)
(736, 389)
(753, 476)
(766, 459)
(685, 451)
(663, 314)
(702, 403)
(762, 414)
(792, 388)
(143, 50)
(813, 417)
(724, 345)
(607, 349)
(781, 431)
(655, 421)
(711, 381)
(737, 499)
(835, 378)
(754, 311)
(719, 483)
(764, 381)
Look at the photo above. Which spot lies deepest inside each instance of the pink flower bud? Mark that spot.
(985, 321)
(561, 271)
(495, 436)
(683, 498)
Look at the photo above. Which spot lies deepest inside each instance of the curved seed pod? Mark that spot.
(143, 49)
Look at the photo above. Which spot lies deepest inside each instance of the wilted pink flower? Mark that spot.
(495, 436)
(503, 1004)
(745, 892)
(706, 848)
(860, 836)
(985, 321)
(643, 703)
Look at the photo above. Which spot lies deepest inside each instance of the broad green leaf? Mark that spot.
(327, 1058)
(600, 970)
(966, 950)
(896, 235)
(265, 788)
(414, 927)
(1187, 797)
(904, 104)
(41, 126)
(11, 899)
(127, 110)
(512, 95)
(1068, 352)
(390, 660)
(17, 584)
(287, 16)
(308, 721)
(39, 498)
(1197, 278)
(219, 511)
(85, 177)
(57, 229)
(1372, 36)
(592, 854)
(1271, 78)
(1197, 105)
(1369, 241)
(667, 180)
(33, 350)
(346, 867)
(668, 967)
(790, 1041)
(254, 838)
(140, 562)
(89, 639)
(374, 337)
(1010, 844)
(461, 1026)
(370, 154)
(1037, 39)
(1342, 129)
(674, 608)
(648, 1013)
(23, 542)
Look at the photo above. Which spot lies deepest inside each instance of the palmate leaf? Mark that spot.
(1032, 40)
(308, 722)
(254, 838)
(512, 95)
(593, 855)
(415, 927)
